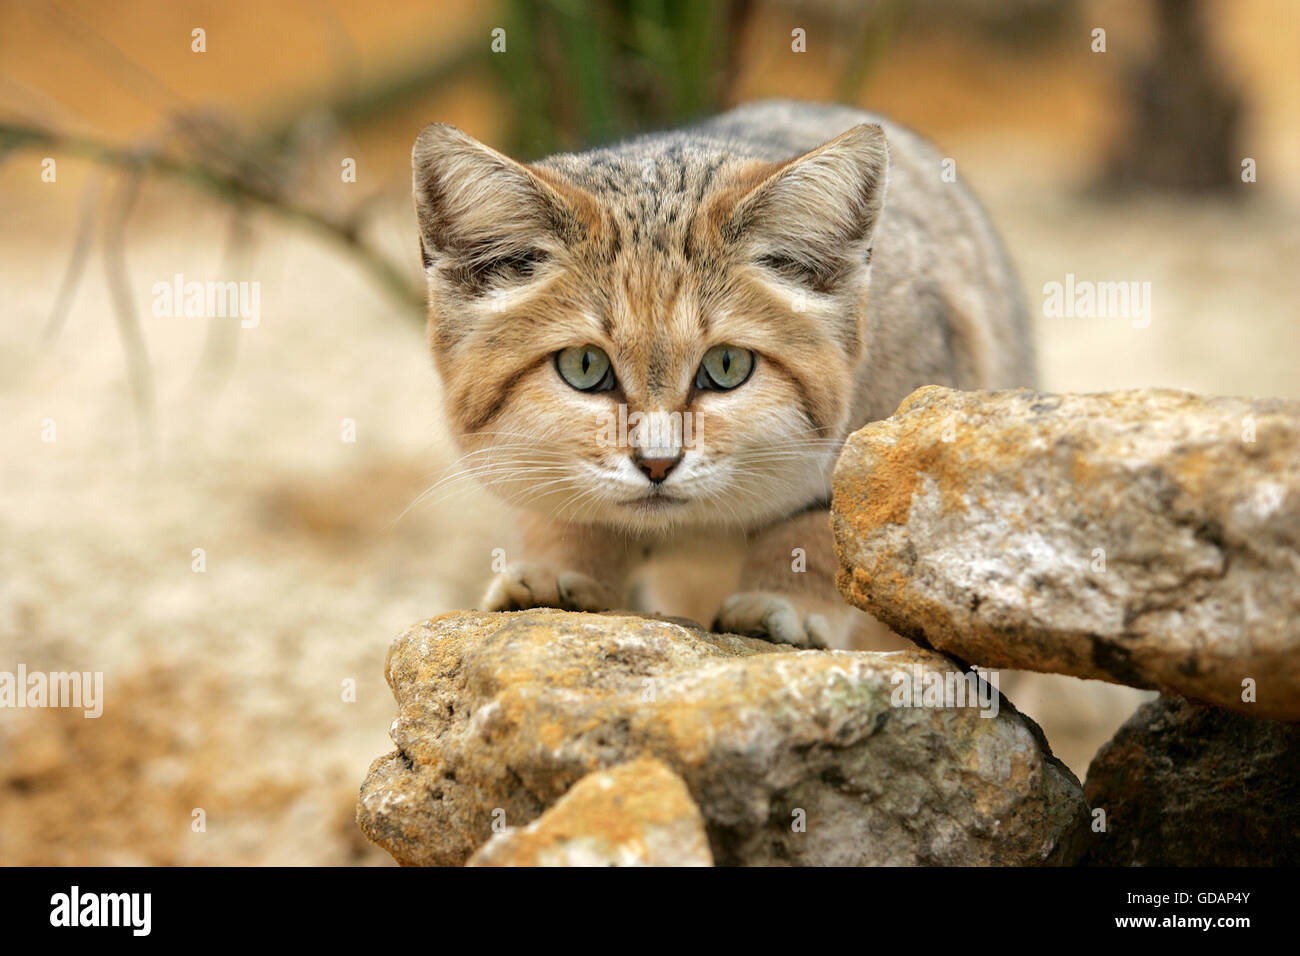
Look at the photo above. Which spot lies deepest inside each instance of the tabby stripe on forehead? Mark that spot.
(670, 302)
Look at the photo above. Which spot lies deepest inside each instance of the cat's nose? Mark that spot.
(656, 469)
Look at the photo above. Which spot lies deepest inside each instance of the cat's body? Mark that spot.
(740, 277)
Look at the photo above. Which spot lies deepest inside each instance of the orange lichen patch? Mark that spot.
(521, 690)
(1081, 471)
(878, 488)
(615, 808)
(883, 492)
(1198, 469)
(552, 734)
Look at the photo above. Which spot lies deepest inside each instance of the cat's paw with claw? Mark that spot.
(523, 585)
(772, 617)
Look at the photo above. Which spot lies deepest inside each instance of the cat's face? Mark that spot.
(649, 338)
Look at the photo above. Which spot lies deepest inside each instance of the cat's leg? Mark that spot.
(787, 587)
(573, 567)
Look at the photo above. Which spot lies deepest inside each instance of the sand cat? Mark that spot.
(664, 342)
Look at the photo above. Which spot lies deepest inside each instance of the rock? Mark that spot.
(1136, 537)
(1184, 785)
(638, 814)
(793, 757)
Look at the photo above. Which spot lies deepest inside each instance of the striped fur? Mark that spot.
(821, 238)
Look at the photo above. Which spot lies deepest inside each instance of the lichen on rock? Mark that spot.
(637, 814)
(1149, 537)
(792, 757)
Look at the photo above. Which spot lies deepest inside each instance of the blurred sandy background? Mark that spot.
(225, 690)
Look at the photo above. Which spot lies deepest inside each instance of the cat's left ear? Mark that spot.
(815, 215)
(482, 212)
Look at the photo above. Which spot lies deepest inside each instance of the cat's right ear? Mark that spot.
(483, 214)
(813, 217)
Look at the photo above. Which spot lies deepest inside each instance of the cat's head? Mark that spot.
(651, 336)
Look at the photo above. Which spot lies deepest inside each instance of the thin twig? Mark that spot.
(221, 343)
(76, 264)
(228, 187)
(119, 287)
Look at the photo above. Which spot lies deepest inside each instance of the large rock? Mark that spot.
(1149, 538)
(1184, 785)
(638, 814)
(791, 756)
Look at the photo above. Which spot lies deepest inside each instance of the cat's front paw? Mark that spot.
(524, 585)
(772, 617)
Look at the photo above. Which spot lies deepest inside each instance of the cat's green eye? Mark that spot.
(724, 367)
(586, 368)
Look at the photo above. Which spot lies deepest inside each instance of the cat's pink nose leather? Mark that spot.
(656, 469)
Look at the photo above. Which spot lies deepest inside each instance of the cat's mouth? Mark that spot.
(654, 501)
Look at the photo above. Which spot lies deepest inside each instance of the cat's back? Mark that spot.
(780, 129)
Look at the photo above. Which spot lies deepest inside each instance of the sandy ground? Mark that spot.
(227, 690)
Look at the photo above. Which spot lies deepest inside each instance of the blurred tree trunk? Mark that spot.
(1181, 134)
(585, 72)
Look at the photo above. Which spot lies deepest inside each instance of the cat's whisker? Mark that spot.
(541, 489)
(478, 472)
(494, 473)
(539, 339)
(580, 496)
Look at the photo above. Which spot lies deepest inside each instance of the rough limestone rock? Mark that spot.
(1184, 785)
(1149, 538)
(638, 814)
(791, 756)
